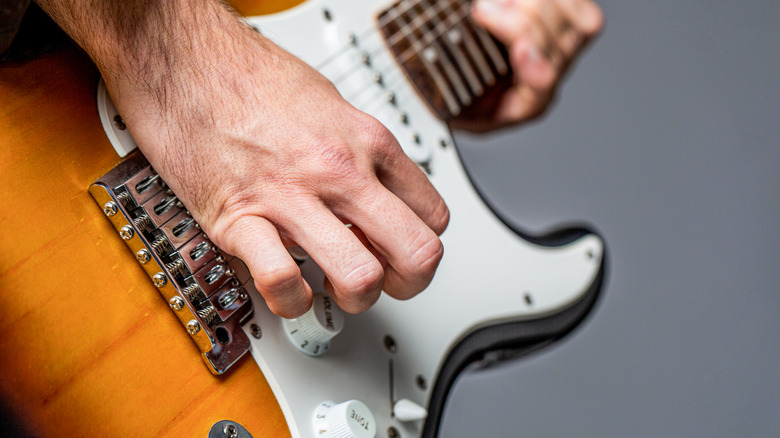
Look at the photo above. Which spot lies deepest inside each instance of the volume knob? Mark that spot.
(351, 419)
(311, 332)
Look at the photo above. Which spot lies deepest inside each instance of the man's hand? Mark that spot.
(264, 151)
(543, 37)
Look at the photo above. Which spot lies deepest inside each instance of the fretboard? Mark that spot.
(449, 58)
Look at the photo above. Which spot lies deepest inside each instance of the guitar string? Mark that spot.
(405, 30)
(393, 74)
(455, 18)
(395, 71)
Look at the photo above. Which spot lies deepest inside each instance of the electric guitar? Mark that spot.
(92, 349)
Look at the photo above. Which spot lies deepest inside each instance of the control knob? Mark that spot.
(351, 419)
(311, 332)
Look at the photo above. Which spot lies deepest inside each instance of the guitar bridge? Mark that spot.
(203, 287)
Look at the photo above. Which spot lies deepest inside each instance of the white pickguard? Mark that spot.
(483, 278)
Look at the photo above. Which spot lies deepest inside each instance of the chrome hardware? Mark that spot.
(390, 344)
(192, 292)
(143, 256)
(421, 382)
(142, 222)
(176, 303)
(166, 204)
(257, 332)
(195, 280)
(147, 183)
(183, 226)
(159, 279)
(110, 209)
(119, 123)
(228, 298)
(177, 267)
(201, 249)
(215, 274)
(125, 199)
(228, 429)
(126, 232)
(208, 315)
(193, 327)
(161, 246)
(365, 58)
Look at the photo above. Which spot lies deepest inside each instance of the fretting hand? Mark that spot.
(543, 38)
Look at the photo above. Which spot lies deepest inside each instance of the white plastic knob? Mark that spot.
(350, 419)
(311, 332)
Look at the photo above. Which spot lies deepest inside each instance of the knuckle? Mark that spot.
(364, 280)
(336, 162)
(381, 141)
(426, 258)
(592, 22)
(277, 277)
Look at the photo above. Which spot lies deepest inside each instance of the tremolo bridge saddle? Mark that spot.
(202, 286)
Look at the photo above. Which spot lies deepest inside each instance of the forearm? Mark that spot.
(149, 43)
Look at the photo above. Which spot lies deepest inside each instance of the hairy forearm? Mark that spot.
(148, 43)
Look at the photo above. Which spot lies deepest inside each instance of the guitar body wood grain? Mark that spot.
(89, 347)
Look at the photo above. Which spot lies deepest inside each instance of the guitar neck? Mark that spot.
(450, 59)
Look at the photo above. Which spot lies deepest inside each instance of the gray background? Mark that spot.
(665, 140)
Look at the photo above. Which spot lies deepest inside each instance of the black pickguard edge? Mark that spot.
(518, 338)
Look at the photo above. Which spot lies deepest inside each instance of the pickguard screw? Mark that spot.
(230, 431)
(159, 279)
(126, 232)
(193, 327)
(421, 382)
(393, 432)
(119, 123)
(257, 332)
(143, 256)
(390, 344)
(176, 303)
(110, 209)
(327, 15)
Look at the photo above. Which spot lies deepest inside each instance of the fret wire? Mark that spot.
(449, 69)
(460, 58)
(479, 59)
(490, 47)
(394, 12)
(399, 36)
(404, 56)
(428, 38)
(440, 82)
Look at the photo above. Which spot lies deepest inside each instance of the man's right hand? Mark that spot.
(264, 151)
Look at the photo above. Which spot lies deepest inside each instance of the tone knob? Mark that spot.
(311, 332)
(351, 419)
